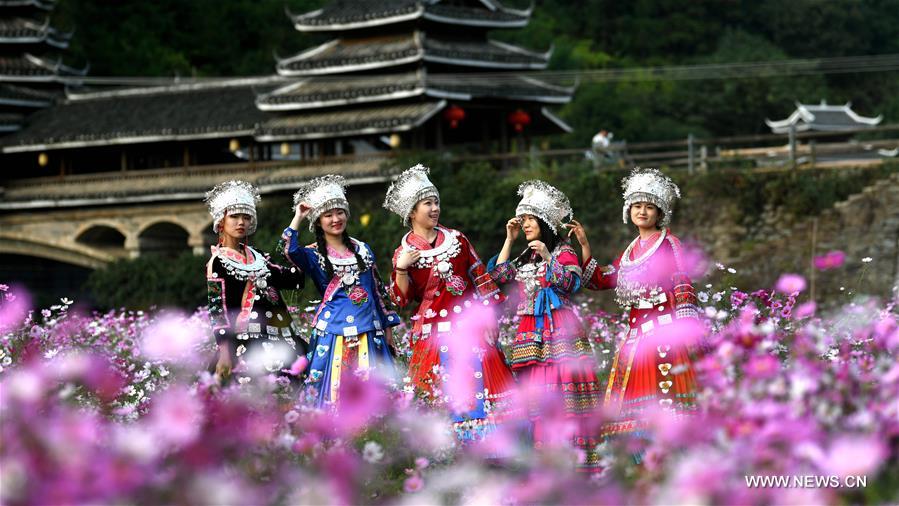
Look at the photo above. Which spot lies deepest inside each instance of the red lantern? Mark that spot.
(519, 119)
(454, 114)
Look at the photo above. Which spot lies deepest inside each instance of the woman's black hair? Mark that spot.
(549, 237)
(322, 246)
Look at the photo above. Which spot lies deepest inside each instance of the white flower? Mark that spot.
(372, 452)
(67, 301)
(291, 416)
(703, 297)
(719, 265)
(867, 260)
(731, 270)
(51, 353)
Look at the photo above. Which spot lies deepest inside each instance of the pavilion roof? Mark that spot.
(823, 117)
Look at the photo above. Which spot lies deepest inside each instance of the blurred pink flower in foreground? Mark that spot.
(790, 283)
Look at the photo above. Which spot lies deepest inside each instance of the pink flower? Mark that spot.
(738, 298)
(413, 484)
(176, 416)
(855, 456)
(791, 283)
(805, 310)
(299, 365)
(173, 336)
(762, 367)
(829, 260)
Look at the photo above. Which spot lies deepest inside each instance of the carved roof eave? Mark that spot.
(46, 5)
(556, 120)
(354, 25)
(374, 130)
(541, 64)
(523, 15)
(133, 139)
(283, 70)
(21, 102)
(480, 23)
(263, 105)
(350, 68)
(485, 64)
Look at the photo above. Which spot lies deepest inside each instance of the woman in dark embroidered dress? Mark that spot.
(249, 318)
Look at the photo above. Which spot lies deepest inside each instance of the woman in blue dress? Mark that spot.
(352, 326)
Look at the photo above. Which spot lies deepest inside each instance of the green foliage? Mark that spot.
(151, 280)
(174, 37)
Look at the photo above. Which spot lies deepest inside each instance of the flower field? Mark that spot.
(798, 405)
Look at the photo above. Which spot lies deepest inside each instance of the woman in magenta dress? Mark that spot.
(550, 351)
(651, 368)
(439, 268)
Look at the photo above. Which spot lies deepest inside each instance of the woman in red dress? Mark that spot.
(652, 367)
(550, 352)
(438, 267)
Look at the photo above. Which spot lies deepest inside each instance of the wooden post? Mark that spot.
(123, 161)
(811, 270)
(793, 146)
(703, 158)
(690, 161)
(813, 152)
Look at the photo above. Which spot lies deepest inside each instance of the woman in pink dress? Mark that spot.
(652, 367)
(550, 352)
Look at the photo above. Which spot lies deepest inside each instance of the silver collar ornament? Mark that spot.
(649, 185)
(409, 188)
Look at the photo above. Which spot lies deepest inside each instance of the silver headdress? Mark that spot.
(545, 202)
(649, 185)
(412, 186)
(232, 197)
(322, 194)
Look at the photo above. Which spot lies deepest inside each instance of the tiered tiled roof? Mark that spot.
(472, 16)
(352, 55)
(347, 15)
(341, 55)
(319, 92)
(347, 122)
(316, 92)
(361, 14)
